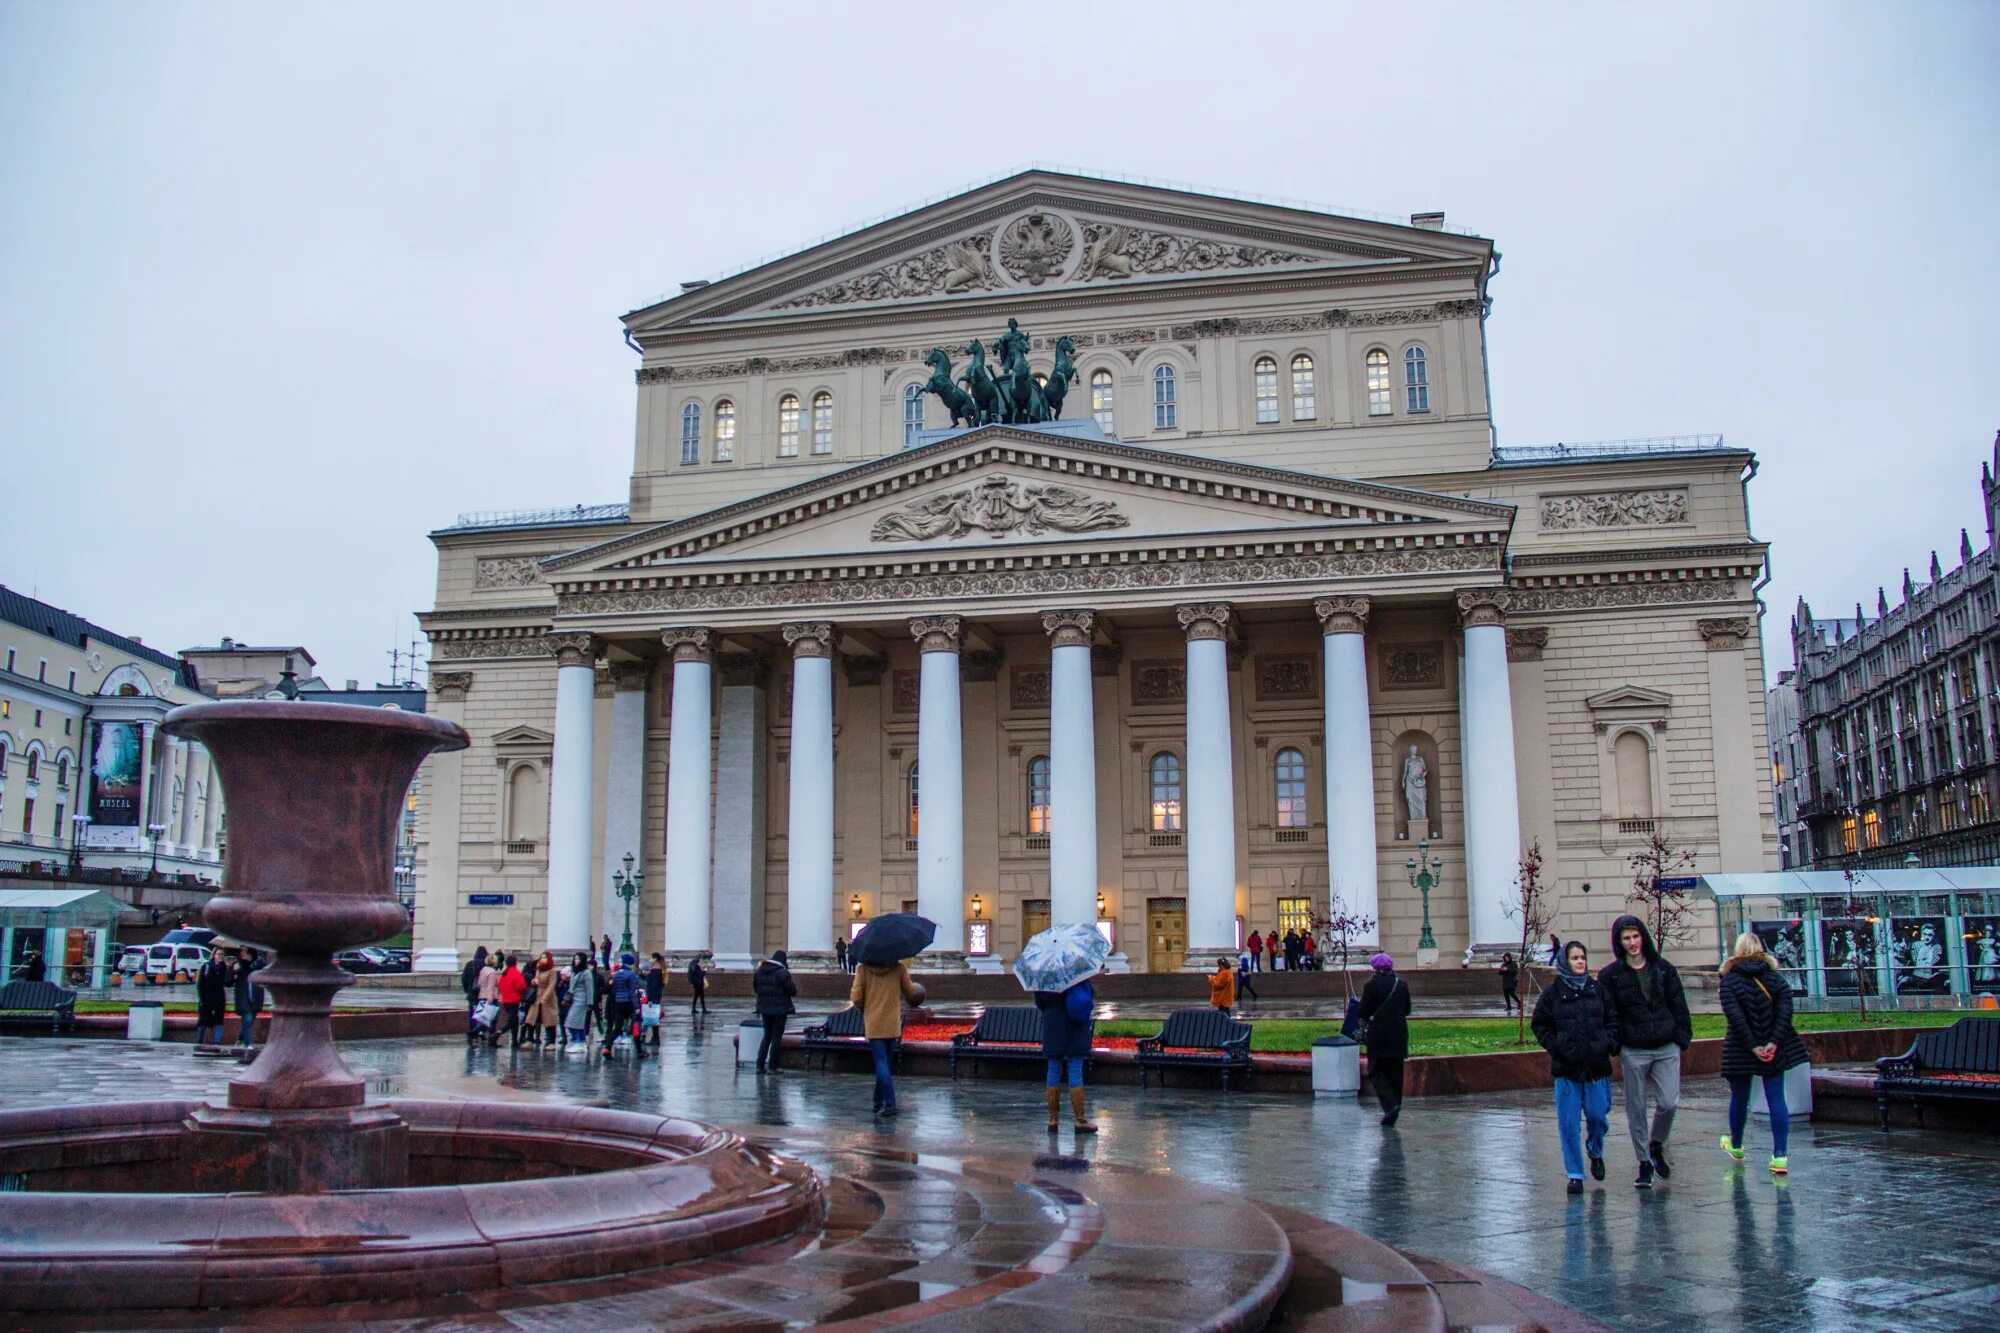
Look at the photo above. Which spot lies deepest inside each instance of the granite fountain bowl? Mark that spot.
(298, 1192)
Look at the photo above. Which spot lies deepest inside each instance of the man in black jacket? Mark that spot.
(1654, 1028)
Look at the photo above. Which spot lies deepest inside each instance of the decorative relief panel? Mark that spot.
(489, 646)
(1412, 666)
(905, 687)
(1001, 507)
(963, 265)
(1625, 594)
(1111, 250)
(1028, 687)
(1527, 643)
(1282, 678)
(1036, 247)
(1614, 509)
(1159, 683)
(508, 571)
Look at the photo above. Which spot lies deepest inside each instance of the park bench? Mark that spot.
(1004, 1032)
(30, 1001)
(1199, 1039)
(1960, 1063)
(840, 1032)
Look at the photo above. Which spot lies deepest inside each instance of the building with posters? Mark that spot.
(1263, 614)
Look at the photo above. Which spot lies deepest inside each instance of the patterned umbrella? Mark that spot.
(1061, 956)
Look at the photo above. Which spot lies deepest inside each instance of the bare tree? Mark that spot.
(1337, 931)
(1667, 909)
(1532, 908)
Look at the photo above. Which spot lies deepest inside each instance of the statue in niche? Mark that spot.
(1416, 789)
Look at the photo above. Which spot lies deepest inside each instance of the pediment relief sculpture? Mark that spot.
(1000, 507)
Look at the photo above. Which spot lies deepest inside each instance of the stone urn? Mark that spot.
(314, 793)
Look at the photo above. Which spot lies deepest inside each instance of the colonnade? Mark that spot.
(1492, 814)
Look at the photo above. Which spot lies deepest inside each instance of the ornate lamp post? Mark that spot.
(1426, 871)
(154, 831)
(626, 884)
(78, 823)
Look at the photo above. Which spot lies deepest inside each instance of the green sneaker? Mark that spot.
(1731, 1148)
(1780, 1166)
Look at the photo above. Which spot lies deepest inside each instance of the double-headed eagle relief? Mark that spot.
(1001, 507)
(1011, 394)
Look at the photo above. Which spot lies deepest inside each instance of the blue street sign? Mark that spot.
(1679, 882)
(507, 899)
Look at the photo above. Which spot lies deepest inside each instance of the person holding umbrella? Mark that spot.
(1057, 965)
(881, 979)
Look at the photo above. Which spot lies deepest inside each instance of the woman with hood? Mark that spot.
(1384, 1016)
(1654, 1027)
(1068, 1019)
(879, 989)
(543, 1014)
(468, 981)
(1576, 1025)
(582, 996)
(775, 988)
(1759, 1043)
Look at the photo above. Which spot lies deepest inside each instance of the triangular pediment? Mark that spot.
(1629, 698)
(1003, 491)
(1041, 231)
(523, 737)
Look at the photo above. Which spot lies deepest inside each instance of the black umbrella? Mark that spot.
(892, 938)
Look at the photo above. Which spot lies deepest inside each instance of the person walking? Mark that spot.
(1308, 953)
(486, 991)
(774, 989)
(1222, 986)
(1576, 1024)
(211, 992)
(697, 983)
(1243, 970)
(840, 952)
(1069, 1017)
(468, 982)
(249, 995)
(1385, 1026)
(625, 991)
(878, 992)
(1256, 946)
(512, 988)
(544, 1014)
(656, 994)
(1510, 981)
(582, 995)
(1758, 1042)
(1654, 1027)
(604, 953)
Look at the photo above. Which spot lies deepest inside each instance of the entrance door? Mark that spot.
(1035, 917)
(1166, 934)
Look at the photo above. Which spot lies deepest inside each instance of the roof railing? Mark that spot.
(537, 518)
(1641, 448)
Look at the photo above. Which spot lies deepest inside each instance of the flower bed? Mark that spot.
(942, 1033)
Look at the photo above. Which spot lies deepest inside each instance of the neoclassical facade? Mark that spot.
(1264, 612)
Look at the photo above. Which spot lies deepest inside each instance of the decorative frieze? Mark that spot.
(571, 648)
(1411, 666)
(775, 365)
(1205, 620)
(962, 265)
(809, 638)
(507, 571)
(1114, 250)
(689, 643)
(504, 641)
(1615, 509)
(1159, 683)
(1280, 679)
(1483, 606)
(1028, 688)
(938, 634)
(1526, 642)
(451, 687)
(1069, 629)
(1341, 615)
(1001, 507)
(1727, 634)
(1592, 597)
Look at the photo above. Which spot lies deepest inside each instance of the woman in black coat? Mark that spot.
(1577, 1025)
(1069, 1018)
(1759, 1043)
(211, 992)
(775, 988)
(1385, 1027)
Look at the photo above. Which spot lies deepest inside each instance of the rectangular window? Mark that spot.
(1378, 385)
(1849, 835)
(42, 671)
(10, 659)
(1294, 914)
(788, 427)
(1871, 829)
(72, 682)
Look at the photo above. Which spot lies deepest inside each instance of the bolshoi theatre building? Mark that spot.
(1074, 550)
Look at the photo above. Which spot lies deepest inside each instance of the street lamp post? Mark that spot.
(626, 884)
(154, 831)
(1425, 871)
(78, 823)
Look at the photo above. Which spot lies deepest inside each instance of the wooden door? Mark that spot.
(1166, 934)
(1035, 917)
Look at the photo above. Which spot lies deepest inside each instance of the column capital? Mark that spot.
(938, 634)
(1341, 615)
(451, 687)
(602, 685)
(1206, 620)
(809, 638)
(1725, 635)
(1525, 643)
(1069, 629)
(628, 675)
(689, 643)
(1483, 606)
(571, 648)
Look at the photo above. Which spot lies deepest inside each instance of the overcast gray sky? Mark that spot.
(284, 287)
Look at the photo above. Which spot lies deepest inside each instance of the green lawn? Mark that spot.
(1475, 1036)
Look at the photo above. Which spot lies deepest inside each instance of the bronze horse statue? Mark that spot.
(1060, 378)
(955, 399)
(1020, 395)
(979, 385)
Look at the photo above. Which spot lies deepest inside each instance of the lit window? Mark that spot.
(1294, 914)
(1166, 407)
(1038, 794)
(1305, 402)
(1290, 769)
(911, 800)
(1165, 772)
(1103, 401)
(725, 432)
(1265, 374)
(1416, 380)
(1378, 384)
(788, 426)
(690, 434)
(822, 423)
(913, 413)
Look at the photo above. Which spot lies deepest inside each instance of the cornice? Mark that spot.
(425, 619)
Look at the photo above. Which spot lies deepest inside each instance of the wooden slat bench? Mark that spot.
(1009, 1032)
(1199, 1039)
(1959, 1063)
(31, 1001)
(842, 1031)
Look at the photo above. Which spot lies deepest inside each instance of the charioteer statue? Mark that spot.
(1013, 395)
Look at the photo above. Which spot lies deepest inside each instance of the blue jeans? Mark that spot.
(1774, 1100)
(246, 1027)
(1590, 1102)
(202, 1031)
(1073, 1064)
(882, 1048)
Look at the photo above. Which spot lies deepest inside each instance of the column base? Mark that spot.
(939, 960)
(986, 965)
(805, 960)
(1488, 955)
(735, 962)
(1117, 962)
(1427, 957)
(436, 960)
(1203, 960)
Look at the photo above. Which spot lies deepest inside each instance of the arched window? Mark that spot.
(1305, 402)
(913, 413)
(725, 432)
(822, 422)
(910, 798)
(1416, 379)
(1290, 771)
(1378, 384)
(1633, 758)
(788, 426)
(527, 808)
(3, 761)
(1166, 406)
(690, 434)
(1038, 794)
(62, 772)
(34, 765)
(1265, 375)
(1103, 401)
(1164, 781)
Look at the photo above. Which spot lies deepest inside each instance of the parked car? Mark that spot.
(368, 960)
(131, 960)
(163, 960)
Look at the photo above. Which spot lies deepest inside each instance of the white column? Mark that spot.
(1492, 801)
(624, 795)
(1072, 769)
(1351, 865)
(940, 790)
(690, 792)
(737, 929)
(438, 891)
(809, 840)
(1211, 789)
(571, 763)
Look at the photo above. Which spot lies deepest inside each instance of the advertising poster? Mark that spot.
(115, 765)
(1847, 947)
(1982, 954)
(1785, 941)
(1916, 953)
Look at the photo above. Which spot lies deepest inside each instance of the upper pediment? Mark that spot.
(1041, 231)
(1003, 490)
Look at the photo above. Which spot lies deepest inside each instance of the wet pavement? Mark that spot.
(1870, 1231)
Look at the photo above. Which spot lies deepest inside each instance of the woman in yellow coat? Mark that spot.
(879, 992)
